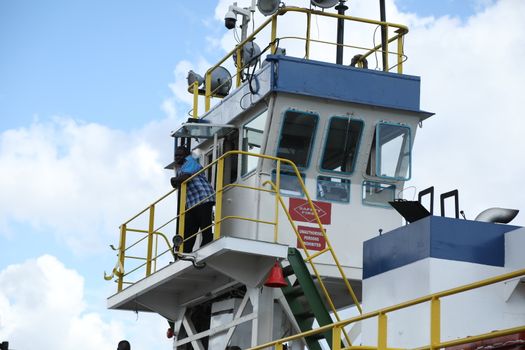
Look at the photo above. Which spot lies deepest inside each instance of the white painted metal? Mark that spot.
(475, 312)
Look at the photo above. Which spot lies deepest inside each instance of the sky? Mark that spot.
(90, 90)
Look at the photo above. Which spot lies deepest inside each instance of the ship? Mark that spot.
(313, 244)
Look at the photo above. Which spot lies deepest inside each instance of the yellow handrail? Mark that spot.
(435, 327)
(400, 31)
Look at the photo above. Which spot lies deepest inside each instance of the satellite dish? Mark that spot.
(268, 7)
(324, 3)
(221, 81)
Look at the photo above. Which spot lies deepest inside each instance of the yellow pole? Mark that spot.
(150, 239)
(336, 338)
(400, 53)
(385, 68)
(279, 346)
(277, 194)
(207, 93)
(381, 332)
(435, 323)
(121, 256)
(182, 211)
(195, 100)
(218, 199)
(239, 67)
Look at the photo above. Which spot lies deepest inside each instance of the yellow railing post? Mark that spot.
(218, 199)
(195, 99)
(274, 33)
(279, 346)
(207, 93)
(238, 63)
(381, 331)
(182, 211)
(277, 194)
(150, 239)
(121, 256)
(386, 67)
(435, 322)
(400, 53)
(336, 338)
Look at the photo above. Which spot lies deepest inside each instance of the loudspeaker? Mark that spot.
(268, 7)
(324, 3)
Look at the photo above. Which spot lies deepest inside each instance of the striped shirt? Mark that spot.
(198, 189)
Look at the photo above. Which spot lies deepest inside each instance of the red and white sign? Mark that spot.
(312, 237)
(300, 210)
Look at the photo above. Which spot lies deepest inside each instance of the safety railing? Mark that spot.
(394, 34)
(152, 233)
(382, 322)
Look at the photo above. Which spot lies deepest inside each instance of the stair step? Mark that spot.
(294, 292)
(304, 315)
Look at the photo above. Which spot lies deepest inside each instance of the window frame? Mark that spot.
(325, 141)
(378, 205)
(378, 153)
(332, 200)
(312, 143)
(241, 134)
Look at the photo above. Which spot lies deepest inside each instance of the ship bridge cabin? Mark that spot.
(304, 156)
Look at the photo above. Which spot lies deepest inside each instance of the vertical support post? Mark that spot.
(277, 194)
(207, 94)
(435, 323)
(238, 63)
(341, 8)
(381, 332)
(400, 53)
(336, 338)
(274, 33)
(195, 99)
(150, 239)
(384, 35)
(279, 346)
(218, 198)
(308, 24)
(182, 211)
(121, 256)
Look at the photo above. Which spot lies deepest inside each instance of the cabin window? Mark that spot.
(290, 185)
(230, 143)
(333, 189)
(297, 137)
(390, 156)
(378, 194)
(252, 138)
(342, 140)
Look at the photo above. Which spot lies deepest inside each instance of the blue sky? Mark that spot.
(84, 136)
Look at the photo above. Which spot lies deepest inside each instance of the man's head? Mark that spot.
(180, 154)
(124, 345)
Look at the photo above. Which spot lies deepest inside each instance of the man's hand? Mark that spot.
(176, 181)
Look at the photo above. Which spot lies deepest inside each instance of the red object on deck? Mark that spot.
(169, 333)
(276, 278)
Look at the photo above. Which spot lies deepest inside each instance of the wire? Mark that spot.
(375, 51)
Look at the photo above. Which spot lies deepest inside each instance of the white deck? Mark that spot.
(229, 262)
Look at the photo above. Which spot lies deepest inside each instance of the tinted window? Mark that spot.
(252, 137)
(340, 150)
(390, 155)
(297, 136)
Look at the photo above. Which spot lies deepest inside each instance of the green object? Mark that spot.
(305, 301)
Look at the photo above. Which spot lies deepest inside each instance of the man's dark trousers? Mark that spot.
(196, 219)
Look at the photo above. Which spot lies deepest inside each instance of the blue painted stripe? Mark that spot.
(436, 237)
(344, 83)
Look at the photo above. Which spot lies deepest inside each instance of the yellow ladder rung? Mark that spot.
(313, 256)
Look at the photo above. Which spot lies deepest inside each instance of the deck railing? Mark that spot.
(395, 34)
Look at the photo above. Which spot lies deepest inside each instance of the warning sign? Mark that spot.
(312, 237)
(300, 210)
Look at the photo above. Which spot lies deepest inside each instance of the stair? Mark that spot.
(304, 300)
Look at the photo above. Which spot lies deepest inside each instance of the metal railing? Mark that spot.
(399, 31)
(152, 233)
(435, 321)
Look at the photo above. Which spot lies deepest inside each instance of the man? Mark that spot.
(200, 198)
(124, 345)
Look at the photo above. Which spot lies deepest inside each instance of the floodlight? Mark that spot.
(250, 53)
(194, 77)
(324, 3)
(221, 81)
(268, 7)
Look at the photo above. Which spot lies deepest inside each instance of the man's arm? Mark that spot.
(176, 181)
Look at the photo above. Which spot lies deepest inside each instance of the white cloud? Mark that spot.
(43, 301)
(81, 180)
